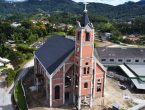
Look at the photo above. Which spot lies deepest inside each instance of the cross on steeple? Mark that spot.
(85, 6)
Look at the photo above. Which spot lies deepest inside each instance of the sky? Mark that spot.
(111, 2)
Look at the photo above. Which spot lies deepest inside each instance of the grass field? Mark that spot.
(19, 97)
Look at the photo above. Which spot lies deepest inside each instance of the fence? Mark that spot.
(24, 93)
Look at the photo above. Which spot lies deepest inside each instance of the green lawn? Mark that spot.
(19, 97)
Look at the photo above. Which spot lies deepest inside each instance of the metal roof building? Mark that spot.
(136, 74)
(118, 56)
(104, 52)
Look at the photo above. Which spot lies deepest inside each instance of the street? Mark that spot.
(6, 93)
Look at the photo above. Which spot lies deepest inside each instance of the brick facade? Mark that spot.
(78, 77)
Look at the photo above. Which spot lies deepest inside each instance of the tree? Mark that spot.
(16, 58)
(106, 27)
(27, 24)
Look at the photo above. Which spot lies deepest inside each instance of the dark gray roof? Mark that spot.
(85, 20)
(104, 52)
(54, 52)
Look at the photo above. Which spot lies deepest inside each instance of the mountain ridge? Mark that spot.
(128, 10)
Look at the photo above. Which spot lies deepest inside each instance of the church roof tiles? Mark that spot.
(54, 52)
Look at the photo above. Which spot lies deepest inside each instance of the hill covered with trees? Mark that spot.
(126, 11)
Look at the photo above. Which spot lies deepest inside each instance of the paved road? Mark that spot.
(6, 93)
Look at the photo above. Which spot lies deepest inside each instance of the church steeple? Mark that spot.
(85, 19)
(84, 58)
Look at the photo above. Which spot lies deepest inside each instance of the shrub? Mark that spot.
(25, 48)
(95, 44)
(29, 55)
(10, 76)
(16, 58)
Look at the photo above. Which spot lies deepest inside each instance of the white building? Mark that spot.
(15, 24)
(118, 56)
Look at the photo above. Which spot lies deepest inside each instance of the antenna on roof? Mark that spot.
(85, 6)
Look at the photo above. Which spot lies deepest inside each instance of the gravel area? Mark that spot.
(113, 94)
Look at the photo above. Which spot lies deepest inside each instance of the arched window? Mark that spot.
(57, 92)
(85, 85)
(76, 81)
(88, 70)
(86, 63)
(84, 70)
(99, 87)
(87, 36)
(78, 35)
(67, 81)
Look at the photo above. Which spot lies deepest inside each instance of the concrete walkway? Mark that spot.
(6, 93)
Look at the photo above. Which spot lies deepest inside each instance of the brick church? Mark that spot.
(70, 70)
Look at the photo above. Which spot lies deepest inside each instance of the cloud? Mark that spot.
(111, 2)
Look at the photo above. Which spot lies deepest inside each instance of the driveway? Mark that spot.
(6, 93)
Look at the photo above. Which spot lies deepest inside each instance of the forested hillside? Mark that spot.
(126, 11)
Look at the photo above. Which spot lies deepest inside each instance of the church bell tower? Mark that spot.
(84, 52)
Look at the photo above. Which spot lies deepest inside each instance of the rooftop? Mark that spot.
(85, 20)
(138, 69)
(54, 52)
(104, 52)
(134, 72)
